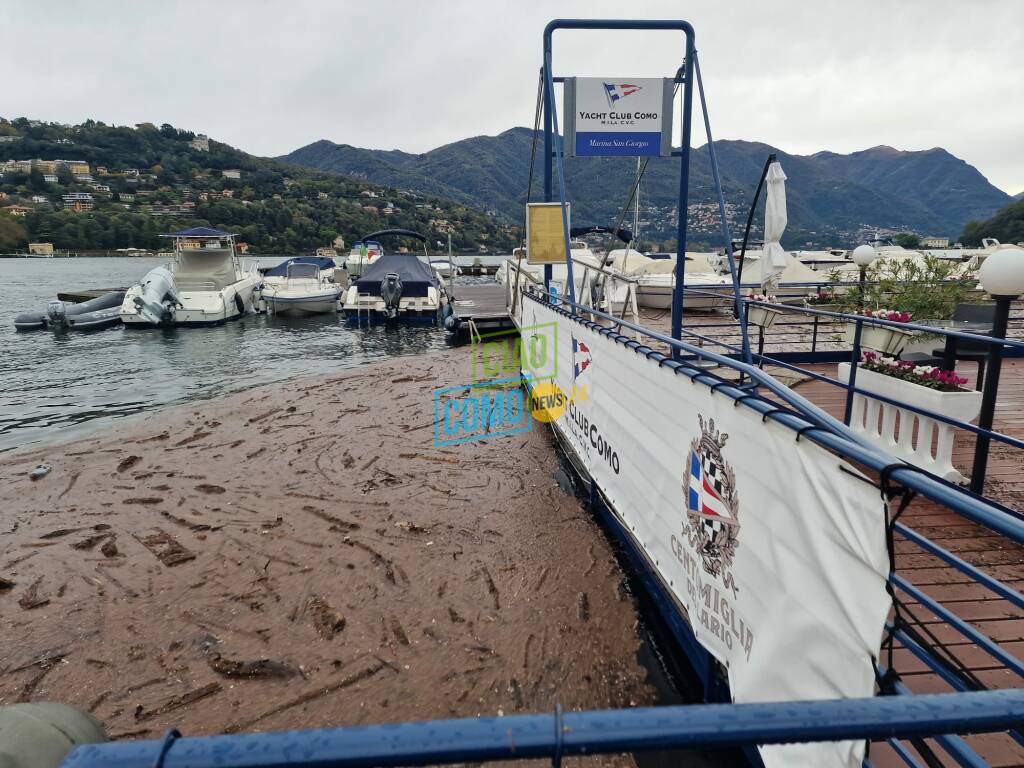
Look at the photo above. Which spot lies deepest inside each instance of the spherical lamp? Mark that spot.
(863, 255)
(1002, 273)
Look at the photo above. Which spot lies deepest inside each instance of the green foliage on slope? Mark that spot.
(275, 207)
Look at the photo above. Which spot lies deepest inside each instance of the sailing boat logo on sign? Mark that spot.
(618, 91)
(712, 507)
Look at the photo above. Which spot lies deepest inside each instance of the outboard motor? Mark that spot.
(391, 292)
(159, 297)
(57, 314)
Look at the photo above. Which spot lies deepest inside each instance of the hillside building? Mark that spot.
(231, 173)
(200, 143)
(78, 202)
(17, 210)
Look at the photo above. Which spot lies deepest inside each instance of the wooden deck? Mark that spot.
(481, 305)
(992, 615)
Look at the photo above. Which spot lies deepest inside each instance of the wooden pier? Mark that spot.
(986, 611)
(479, 309)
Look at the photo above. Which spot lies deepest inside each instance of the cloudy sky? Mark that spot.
(269, 76)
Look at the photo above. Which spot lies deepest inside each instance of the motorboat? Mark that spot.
(303, 285)
(589, 269)
(203, 284)
(396, 287)
(100, 312)
(362, 254)
(444, 269)
(656, 280)
(794, 282)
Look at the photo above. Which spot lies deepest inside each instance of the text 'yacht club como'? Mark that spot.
(729, 506)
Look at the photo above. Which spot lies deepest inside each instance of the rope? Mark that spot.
(903, 617)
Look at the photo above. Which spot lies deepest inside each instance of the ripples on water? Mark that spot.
(59, 386)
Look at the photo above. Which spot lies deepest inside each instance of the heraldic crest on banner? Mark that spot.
(712, 507)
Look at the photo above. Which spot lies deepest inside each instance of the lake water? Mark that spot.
(55, 387)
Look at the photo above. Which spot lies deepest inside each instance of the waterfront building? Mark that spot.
(935, 242)
(41, 249)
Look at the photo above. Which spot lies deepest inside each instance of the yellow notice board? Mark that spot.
(545, 235)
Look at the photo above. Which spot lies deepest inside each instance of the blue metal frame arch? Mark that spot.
(550, 153)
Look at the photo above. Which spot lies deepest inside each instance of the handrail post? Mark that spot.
(852, 382)
(993, 368)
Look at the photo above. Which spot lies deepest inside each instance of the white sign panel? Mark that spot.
(774, 547)
(618, 116)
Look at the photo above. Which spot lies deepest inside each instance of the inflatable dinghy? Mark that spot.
(88, 315)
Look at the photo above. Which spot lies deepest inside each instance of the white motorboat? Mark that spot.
(396, 287)
(203, 284)
(656, 280)
(301, 286)
(362, 255)
(444, 269)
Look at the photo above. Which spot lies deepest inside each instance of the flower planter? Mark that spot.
(762, 316)
(823, 307)
(905, 434)
(881, 338)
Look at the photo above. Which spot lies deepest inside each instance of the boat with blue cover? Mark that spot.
(397, 287)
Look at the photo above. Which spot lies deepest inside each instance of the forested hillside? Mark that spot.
(145, 180)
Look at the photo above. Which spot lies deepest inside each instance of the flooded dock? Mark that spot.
(302, 555)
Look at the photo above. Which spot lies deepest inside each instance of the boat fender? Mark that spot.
(40, 735)
(239, 304)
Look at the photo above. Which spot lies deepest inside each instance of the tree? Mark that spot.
(12, 234)
(37, 181)
(907, 240)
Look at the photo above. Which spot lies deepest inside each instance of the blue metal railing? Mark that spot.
(558, 735)
(806, 419)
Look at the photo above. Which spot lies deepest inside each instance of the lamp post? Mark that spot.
(862, 256)
(1002, 277)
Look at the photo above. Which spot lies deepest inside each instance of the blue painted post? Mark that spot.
(684, 194)
(726, 234)
(559, 157)
(547, 149)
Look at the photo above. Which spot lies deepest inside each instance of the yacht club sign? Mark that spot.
(615, 116)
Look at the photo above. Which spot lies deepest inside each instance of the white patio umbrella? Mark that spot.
(773, 259)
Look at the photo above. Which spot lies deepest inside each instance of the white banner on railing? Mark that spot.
(775, 548)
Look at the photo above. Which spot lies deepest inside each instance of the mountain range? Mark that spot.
(832, 198)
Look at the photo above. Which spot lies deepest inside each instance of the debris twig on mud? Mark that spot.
(166, 548)
(177, 702)
(255, 668)
(328, 622)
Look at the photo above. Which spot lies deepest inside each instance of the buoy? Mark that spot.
(40, 735)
